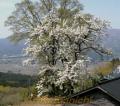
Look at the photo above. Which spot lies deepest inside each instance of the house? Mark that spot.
(106, 93)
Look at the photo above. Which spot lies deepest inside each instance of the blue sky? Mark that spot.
(105, 9)
(6, 7)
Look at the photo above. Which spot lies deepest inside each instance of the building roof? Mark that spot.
(110, 88)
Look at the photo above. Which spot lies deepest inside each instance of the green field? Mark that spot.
(15, 88)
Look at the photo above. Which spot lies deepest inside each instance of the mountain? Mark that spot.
(7, 48)
(11, 58)
(111, 41)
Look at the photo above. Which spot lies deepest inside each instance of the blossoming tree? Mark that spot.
(61, 43)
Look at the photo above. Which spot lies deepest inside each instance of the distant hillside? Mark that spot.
(111, 41)
(8, 48)
(16, 80)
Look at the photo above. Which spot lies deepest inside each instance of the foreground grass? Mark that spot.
(45, 101)
(15, 88)
(37, 104)
(12, 95)
(56, 101)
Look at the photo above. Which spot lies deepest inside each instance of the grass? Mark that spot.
(105, 68)
(12, 95)
(15, 88)
(4, 89)
(37, 104)
(44, 101)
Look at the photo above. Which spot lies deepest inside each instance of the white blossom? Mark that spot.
(27, 62)
(64, 39)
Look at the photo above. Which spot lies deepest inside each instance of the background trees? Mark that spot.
(59, 35)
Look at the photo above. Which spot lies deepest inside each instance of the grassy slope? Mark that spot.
(15, 88)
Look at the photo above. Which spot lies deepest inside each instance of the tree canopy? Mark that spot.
(59, 35)
(28, 15)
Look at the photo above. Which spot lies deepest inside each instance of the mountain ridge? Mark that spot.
(111, 41)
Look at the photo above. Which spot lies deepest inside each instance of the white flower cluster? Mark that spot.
(48, 76)
(73, 72)
(27, 62)
(65, 33)
(64, 41)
